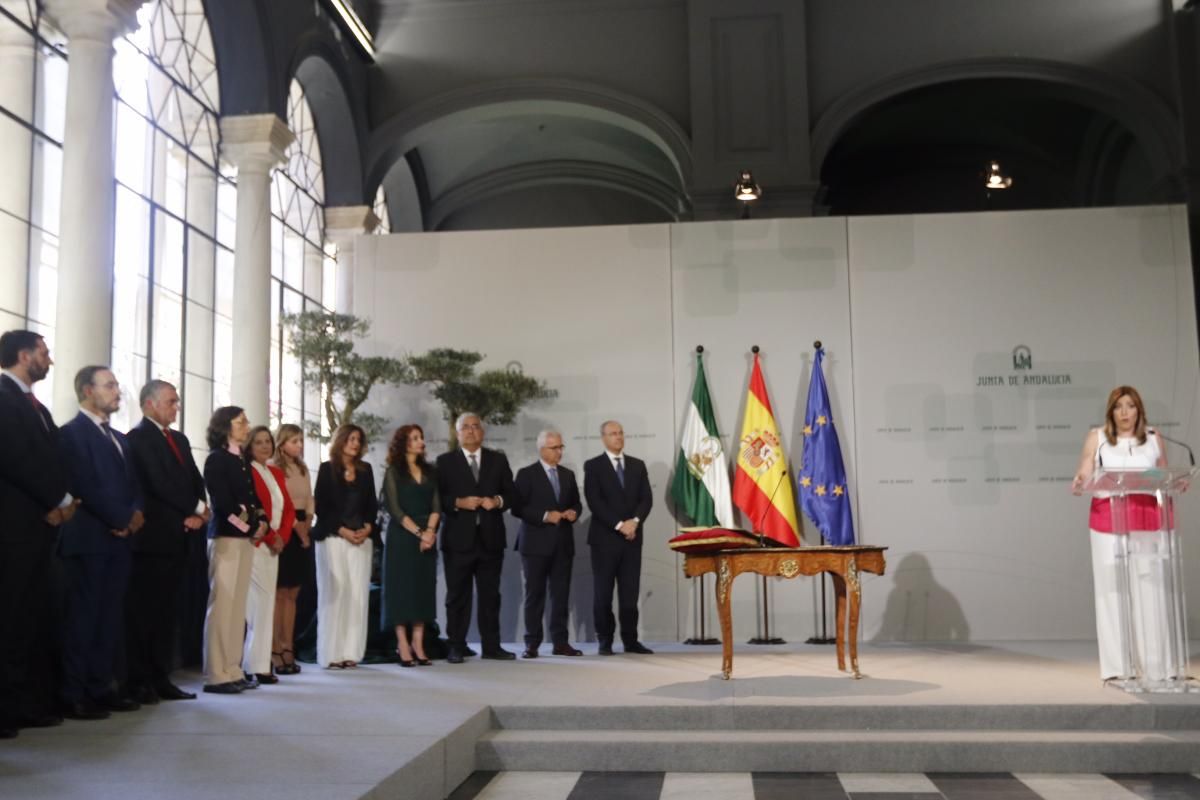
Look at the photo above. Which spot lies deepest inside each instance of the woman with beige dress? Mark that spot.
(295, 562)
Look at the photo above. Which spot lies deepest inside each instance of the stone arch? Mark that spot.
(405, 131)
(337, 129)
(1148, 117)
(245, 72)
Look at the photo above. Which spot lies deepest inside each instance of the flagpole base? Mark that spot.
(766, 640)
(820, 640)
(702, 641)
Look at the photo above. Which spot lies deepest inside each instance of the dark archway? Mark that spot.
(337, 131)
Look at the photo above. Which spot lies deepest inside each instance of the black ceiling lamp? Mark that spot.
(746, 191)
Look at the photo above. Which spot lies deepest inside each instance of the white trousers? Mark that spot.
(1152, 644)
(260, 612)
(343, 594)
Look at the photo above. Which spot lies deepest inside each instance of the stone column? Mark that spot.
(343, 226)
(16, 145)
(254, 143)
(83, 327)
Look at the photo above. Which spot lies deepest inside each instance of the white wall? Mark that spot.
(966, 484)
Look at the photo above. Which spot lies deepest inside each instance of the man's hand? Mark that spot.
(136, 522)
(553, 517)
(193, 523)
(121, 534)
(468, 503)
(488, 503)
(56, 516)
(569, 515)
(629, 529)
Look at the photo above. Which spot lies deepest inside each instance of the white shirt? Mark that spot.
(275, 492)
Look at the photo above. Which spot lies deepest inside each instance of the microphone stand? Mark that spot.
(767, 638)
(1191, 455)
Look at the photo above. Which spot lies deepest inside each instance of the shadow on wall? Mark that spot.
(919, 608)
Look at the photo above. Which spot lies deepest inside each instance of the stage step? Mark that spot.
(1132, 737)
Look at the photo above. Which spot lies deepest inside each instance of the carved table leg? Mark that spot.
(839, 593)
(724, 590)
(855, 586)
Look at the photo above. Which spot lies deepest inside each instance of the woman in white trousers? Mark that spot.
(271, 488)
(346, 507)
(1125, 442)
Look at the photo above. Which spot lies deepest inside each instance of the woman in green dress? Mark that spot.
(410, 555)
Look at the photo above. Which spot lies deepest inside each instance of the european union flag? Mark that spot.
(824, 496)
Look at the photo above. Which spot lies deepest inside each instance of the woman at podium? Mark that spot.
(1125, 442)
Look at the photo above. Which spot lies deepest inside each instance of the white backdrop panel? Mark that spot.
(966, 455)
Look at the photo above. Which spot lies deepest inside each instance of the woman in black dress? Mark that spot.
(296, 561)
(409, 554)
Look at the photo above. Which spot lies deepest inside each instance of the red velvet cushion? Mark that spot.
(703, 540)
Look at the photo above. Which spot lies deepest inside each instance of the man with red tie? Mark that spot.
(34, 499)
(173, 490)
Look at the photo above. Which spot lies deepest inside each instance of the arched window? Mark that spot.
(33, 91)
(175, 207)
(303, 266)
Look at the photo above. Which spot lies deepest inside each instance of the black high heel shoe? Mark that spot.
(424, 662)
(409, 663)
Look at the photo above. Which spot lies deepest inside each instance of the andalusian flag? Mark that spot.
(701, 485)
(761, 488)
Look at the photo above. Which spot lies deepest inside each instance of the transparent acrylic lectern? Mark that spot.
(1153, 611)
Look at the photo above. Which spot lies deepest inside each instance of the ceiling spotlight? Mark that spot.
(746, 189)
(997, 179)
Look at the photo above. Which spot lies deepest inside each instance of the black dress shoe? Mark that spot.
(529, 652)
(84, 709)
(605, 649)
(8, 733)
(566, 650)
(454, 656)
(639, 648)
(231, 687)
(499, 654)
(169, 691)
(247, 683)
(145, 695)
(264, 678)
(115, 702)
(46, 720)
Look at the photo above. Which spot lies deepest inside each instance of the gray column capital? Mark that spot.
(254, 142)
(94, 20)
(343, 223)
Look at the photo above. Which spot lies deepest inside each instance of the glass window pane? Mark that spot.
(314, 268)
(293, 259)
(199, 357)
(224, 282)
(226, 212)
(201, 196)
(223, 355)
(130, 314)
(195, 408)
(168, 330)
(329, 278)
(130, 71)
(173, 183)
(201, 269)
(52, 93)
(43, 278)
(14, 269)
(168, 252)
(133, 154)
(16, 164)
(131, 246)
(18, 62)
(47, 185)
(276, 248)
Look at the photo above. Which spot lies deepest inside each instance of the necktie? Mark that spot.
(174, 447)
(475, 467)
(553, 473)
(108, 432)
(621, 472)
(37, 408)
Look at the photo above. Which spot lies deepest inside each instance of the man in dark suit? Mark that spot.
(95, 546)
(174, 496)
(546, 500)
(34, 502)
(475, 485)
(618, 493)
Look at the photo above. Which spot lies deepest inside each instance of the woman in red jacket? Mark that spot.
(271, 487)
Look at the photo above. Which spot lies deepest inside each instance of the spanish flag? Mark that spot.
(761, 488)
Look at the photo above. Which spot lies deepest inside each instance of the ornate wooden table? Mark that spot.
(844, 564)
